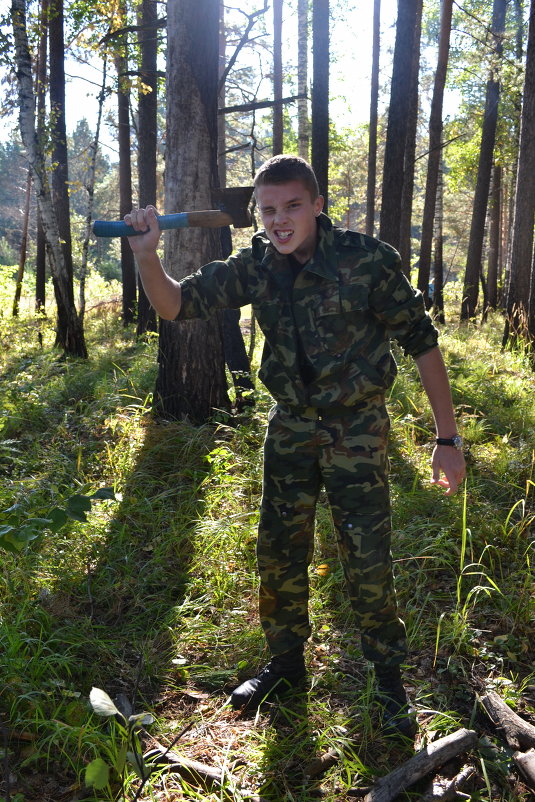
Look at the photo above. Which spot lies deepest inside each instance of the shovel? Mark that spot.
(233, 203)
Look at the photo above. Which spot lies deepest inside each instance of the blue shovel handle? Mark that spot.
(105, 228)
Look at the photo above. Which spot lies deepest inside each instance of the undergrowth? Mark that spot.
(153, 598)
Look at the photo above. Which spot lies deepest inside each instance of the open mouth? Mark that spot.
(283, 236)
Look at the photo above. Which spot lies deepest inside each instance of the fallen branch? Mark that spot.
(452, 789)
(525, 762)
(191, 770)
(425, 762)
(518, 733)
(321, 764)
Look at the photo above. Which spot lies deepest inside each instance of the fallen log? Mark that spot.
(426, 761)
(518, 733)
(451, 789)
(525, 762)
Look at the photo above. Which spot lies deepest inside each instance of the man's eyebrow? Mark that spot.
(291, 200)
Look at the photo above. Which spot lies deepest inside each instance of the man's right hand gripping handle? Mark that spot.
(162, 291)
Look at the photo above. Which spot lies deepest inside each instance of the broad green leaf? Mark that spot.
(97, 774)
(58, 518)
(4, 530)
(138, 764)
(104, 493)
(77, 506)
(101, 703)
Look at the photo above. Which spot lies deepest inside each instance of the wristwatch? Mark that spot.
(456, 441)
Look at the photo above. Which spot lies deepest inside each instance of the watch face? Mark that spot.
(457, 441)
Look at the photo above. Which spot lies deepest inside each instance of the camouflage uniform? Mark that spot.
(327, 362)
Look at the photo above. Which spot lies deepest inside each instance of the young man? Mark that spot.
(328, 301)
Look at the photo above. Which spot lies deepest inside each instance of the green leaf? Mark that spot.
(97, 774)
(4, 530)
(102, 704)
(58, 518)
(77, 506)
(104, 493)
(138, 764)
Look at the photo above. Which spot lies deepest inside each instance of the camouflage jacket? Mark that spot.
(345, 305)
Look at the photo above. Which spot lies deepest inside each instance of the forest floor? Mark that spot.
(151, 596)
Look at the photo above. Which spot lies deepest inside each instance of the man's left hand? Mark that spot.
(450, 462)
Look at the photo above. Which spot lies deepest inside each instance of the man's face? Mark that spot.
(289, 217)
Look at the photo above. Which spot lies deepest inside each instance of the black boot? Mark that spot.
(398, 714)
(282, 673)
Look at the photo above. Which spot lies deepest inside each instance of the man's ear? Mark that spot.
(318, 205)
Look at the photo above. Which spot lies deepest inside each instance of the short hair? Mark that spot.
(282, 168)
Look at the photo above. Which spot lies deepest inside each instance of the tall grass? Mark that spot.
(154, 596)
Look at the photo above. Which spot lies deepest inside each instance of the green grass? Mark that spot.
(154, 596)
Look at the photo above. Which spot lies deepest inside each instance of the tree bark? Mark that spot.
(525, 763)
(320, 95)
(40, 259)
(426, 761)
(58, 133)
(521, 278)
(435, 154)
(372, 136)
(494, 237)
(23, 245)
(303, 135)
(128, 268)
(90, 188)
(405, 228)
(278, 129)
(438, 289)
(191, 378)
(70, 333)
(518, 733)
(488, 135)
(221, 120)
(147, 138)
(396, 135)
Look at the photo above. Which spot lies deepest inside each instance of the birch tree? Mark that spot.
(69, 328)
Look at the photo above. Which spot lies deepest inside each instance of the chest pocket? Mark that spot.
(342, 319)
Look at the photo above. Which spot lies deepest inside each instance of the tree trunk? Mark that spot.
(278, 129)
(191, 379)
(396, 135)
(477, 229)
(90, 188)
(521, 279)
(372, 141)
(23, 245)
(221, 119)
(70, 333)
(147, 137)
(405, 228)
(494, 237)
(40, 259)
(303, 136)
(435, 143)
(128, 268)
(58, 131)
(320, 95)
(438, 289)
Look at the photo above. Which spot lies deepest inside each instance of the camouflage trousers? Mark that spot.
(347, 455)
